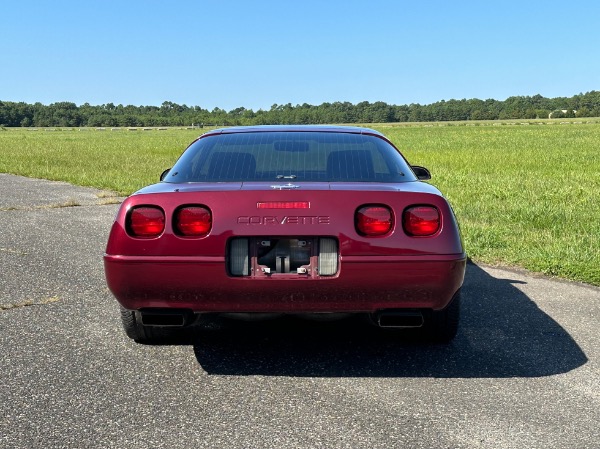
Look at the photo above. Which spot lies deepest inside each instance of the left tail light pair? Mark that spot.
(149, 221)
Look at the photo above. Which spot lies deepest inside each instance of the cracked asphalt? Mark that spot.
(522, 372)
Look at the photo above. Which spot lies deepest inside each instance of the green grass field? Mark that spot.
(525, 196)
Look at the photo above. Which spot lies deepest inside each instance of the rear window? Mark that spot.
(291, 156)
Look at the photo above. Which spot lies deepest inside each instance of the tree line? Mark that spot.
(67, 114)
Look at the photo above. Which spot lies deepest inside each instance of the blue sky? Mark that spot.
(257, 53)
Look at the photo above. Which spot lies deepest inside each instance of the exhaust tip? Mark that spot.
(399, 319)
(165, 318)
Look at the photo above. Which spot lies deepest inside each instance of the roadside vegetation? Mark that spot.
(67, 114)
(526, 194)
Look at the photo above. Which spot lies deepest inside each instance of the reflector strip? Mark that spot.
(238, 257)
(283, 205)
(328, 257)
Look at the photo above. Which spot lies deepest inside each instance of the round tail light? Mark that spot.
(421, 221)
(375, 220)
(146, 222)
(193, 221)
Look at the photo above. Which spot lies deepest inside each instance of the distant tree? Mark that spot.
(583, 112)
(65, 114)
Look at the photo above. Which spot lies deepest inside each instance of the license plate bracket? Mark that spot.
(283, 256)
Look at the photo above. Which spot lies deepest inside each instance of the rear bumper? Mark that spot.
(363, 284)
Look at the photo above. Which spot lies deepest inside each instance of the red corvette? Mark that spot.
(306, 220)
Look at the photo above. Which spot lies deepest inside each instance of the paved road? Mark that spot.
(523, 371)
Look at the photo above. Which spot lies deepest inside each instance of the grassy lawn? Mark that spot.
(123, 160)
(525, 195)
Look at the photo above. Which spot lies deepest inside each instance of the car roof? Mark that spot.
(295, 128)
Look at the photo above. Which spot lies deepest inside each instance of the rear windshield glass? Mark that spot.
(297, 156)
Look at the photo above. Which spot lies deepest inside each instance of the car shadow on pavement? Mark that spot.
(503, 334)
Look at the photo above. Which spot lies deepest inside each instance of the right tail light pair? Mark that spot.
(378, 220)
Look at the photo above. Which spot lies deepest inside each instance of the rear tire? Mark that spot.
(443, 324)
(129, 324)
(150, 335)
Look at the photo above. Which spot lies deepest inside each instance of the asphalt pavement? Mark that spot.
(523, 371)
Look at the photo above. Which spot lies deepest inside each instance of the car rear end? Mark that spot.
(287, 251)
(291, 243)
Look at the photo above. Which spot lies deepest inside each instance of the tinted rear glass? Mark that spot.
(297, 156)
